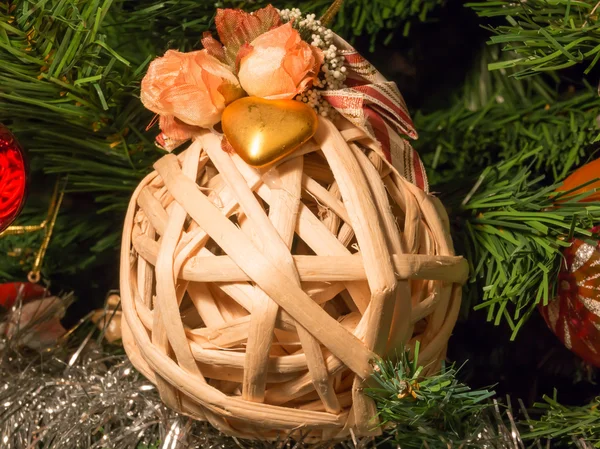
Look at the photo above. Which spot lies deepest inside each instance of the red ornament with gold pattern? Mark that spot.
(574, 314)
(12, 178)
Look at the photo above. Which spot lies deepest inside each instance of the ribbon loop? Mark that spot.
(376, 106)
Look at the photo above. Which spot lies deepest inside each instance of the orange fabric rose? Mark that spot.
(192, 88)
(278, 64)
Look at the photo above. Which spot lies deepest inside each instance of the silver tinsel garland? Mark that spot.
(84, 393)
(90, 398)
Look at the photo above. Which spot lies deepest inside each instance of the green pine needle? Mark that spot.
(569, 425)
(496, 118)
(78, 243)
(445, 413)
(544, 35)
(513, 230)
(442, 413)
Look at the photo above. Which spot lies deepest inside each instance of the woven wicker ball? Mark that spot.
(258, 300)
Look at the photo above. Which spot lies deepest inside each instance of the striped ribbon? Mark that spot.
(376, 106)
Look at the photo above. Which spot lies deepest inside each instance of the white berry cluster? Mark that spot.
(333, 71)
(290, 14)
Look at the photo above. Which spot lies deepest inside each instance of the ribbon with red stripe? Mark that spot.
(376, 106)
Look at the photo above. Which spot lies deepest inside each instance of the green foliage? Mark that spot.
(446, 413)
(513, 139)
(78, 243)
(442, 413)
(570, 425)
(374, 17)
(513, 230)
(495, 118)
(72, 97)
(544, 35)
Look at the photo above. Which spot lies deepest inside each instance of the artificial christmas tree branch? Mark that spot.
(494, 118)
(75, 246)
(575, 426)
(437, 411)
(512, 228)
(545, 35)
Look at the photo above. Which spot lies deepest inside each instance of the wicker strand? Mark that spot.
(257, 299)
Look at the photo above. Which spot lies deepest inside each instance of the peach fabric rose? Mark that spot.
(175, 129)
(278, 64)
(192, 88)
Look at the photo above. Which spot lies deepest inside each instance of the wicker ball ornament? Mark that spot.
(258, 300)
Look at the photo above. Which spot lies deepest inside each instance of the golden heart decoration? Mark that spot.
(263, 131)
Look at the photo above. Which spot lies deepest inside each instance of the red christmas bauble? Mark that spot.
(574, 314)
(13, 178)
(10, 292)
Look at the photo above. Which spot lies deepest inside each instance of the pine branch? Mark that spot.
(570, 425)
(495, 117)
(69, 91)
(375, 17)
(512, 229)
(78, 243)
(436, 412)
(444, 413)
(544, 35)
